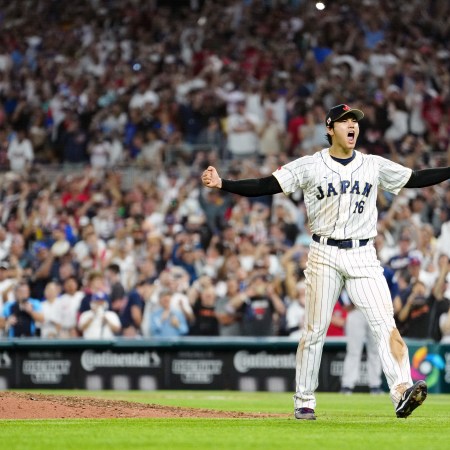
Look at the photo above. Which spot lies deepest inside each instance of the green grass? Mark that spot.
(358, 422)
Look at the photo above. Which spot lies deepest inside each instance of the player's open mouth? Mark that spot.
(351, 136)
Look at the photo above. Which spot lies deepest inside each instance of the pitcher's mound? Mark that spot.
(15, 405)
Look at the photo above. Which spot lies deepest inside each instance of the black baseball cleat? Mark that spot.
(305, 414)
(411, 399)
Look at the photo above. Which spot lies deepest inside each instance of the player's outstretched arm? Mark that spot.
(250, 187)
(428, 177)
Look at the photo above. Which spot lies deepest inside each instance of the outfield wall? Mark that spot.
(246, 364)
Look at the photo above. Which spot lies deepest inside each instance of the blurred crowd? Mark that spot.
(109, 112)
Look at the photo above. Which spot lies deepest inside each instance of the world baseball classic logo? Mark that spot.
(426, 365)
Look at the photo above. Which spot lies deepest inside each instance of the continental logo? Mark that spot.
(91, 360)
(244, 361)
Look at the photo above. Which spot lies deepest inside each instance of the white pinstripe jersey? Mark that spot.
(341, 200)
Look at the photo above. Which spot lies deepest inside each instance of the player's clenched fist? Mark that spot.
(211, 179)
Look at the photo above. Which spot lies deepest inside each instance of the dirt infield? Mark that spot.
(14, 405)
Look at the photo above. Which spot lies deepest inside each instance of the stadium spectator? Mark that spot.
(414, 317)
(20, 259)
(95, 285)
(427, 246)
(153, 151)
(165, 321)
(187, 254)
(215, 207)
(116, 291)
(262, 304)
(7, 283)
(44, 270)
(211, 138)
(229, 308)
(20, 152)
(295, 121)
(20, 317)
(5, 243)
(121, 251)
(402, 257)
(204, 308)
(91, 251)
(242, 130)
(295, 313)
(99, 322)
(69, 304)
(311, 132)
(338, 320)
(443, 240)
(51, 325)
(398, 116)
(72, 141)
(180, 288)
(132, 313)
(271, 135)
(418, 273)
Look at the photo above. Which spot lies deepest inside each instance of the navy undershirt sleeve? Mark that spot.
(252, 187)
(428, 177)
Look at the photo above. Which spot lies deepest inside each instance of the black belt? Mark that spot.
(344, 243)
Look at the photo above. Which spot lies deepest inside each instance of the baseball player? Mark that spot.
(340, 186)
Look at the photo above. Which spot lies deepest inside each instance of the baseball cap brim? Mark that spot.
(356, 112)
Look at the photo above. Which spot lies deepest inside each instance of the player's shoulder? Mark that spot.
(374, 159)
(318, 156)
(306, 160)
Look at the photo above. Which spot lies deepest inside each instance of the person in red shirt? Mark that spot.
(293, 128)
(338, 318)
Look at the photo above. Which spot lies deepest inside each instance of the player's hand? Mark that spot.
(211, 179)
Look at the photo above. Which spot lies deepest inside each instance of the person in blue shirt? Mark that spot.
(19, 317)
(167, 322)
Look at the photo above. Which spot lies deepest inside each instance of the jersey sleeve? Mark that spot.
(392, 176)
(293, 175)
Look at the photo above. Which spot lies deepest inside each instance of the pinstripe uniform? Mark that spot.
(341, 205)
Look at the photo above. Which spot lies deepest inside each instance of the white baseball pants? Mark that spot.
(328, 270)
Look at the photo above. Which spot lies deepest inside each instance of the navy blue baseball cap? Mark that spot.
(336, 112)
(99, 297)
